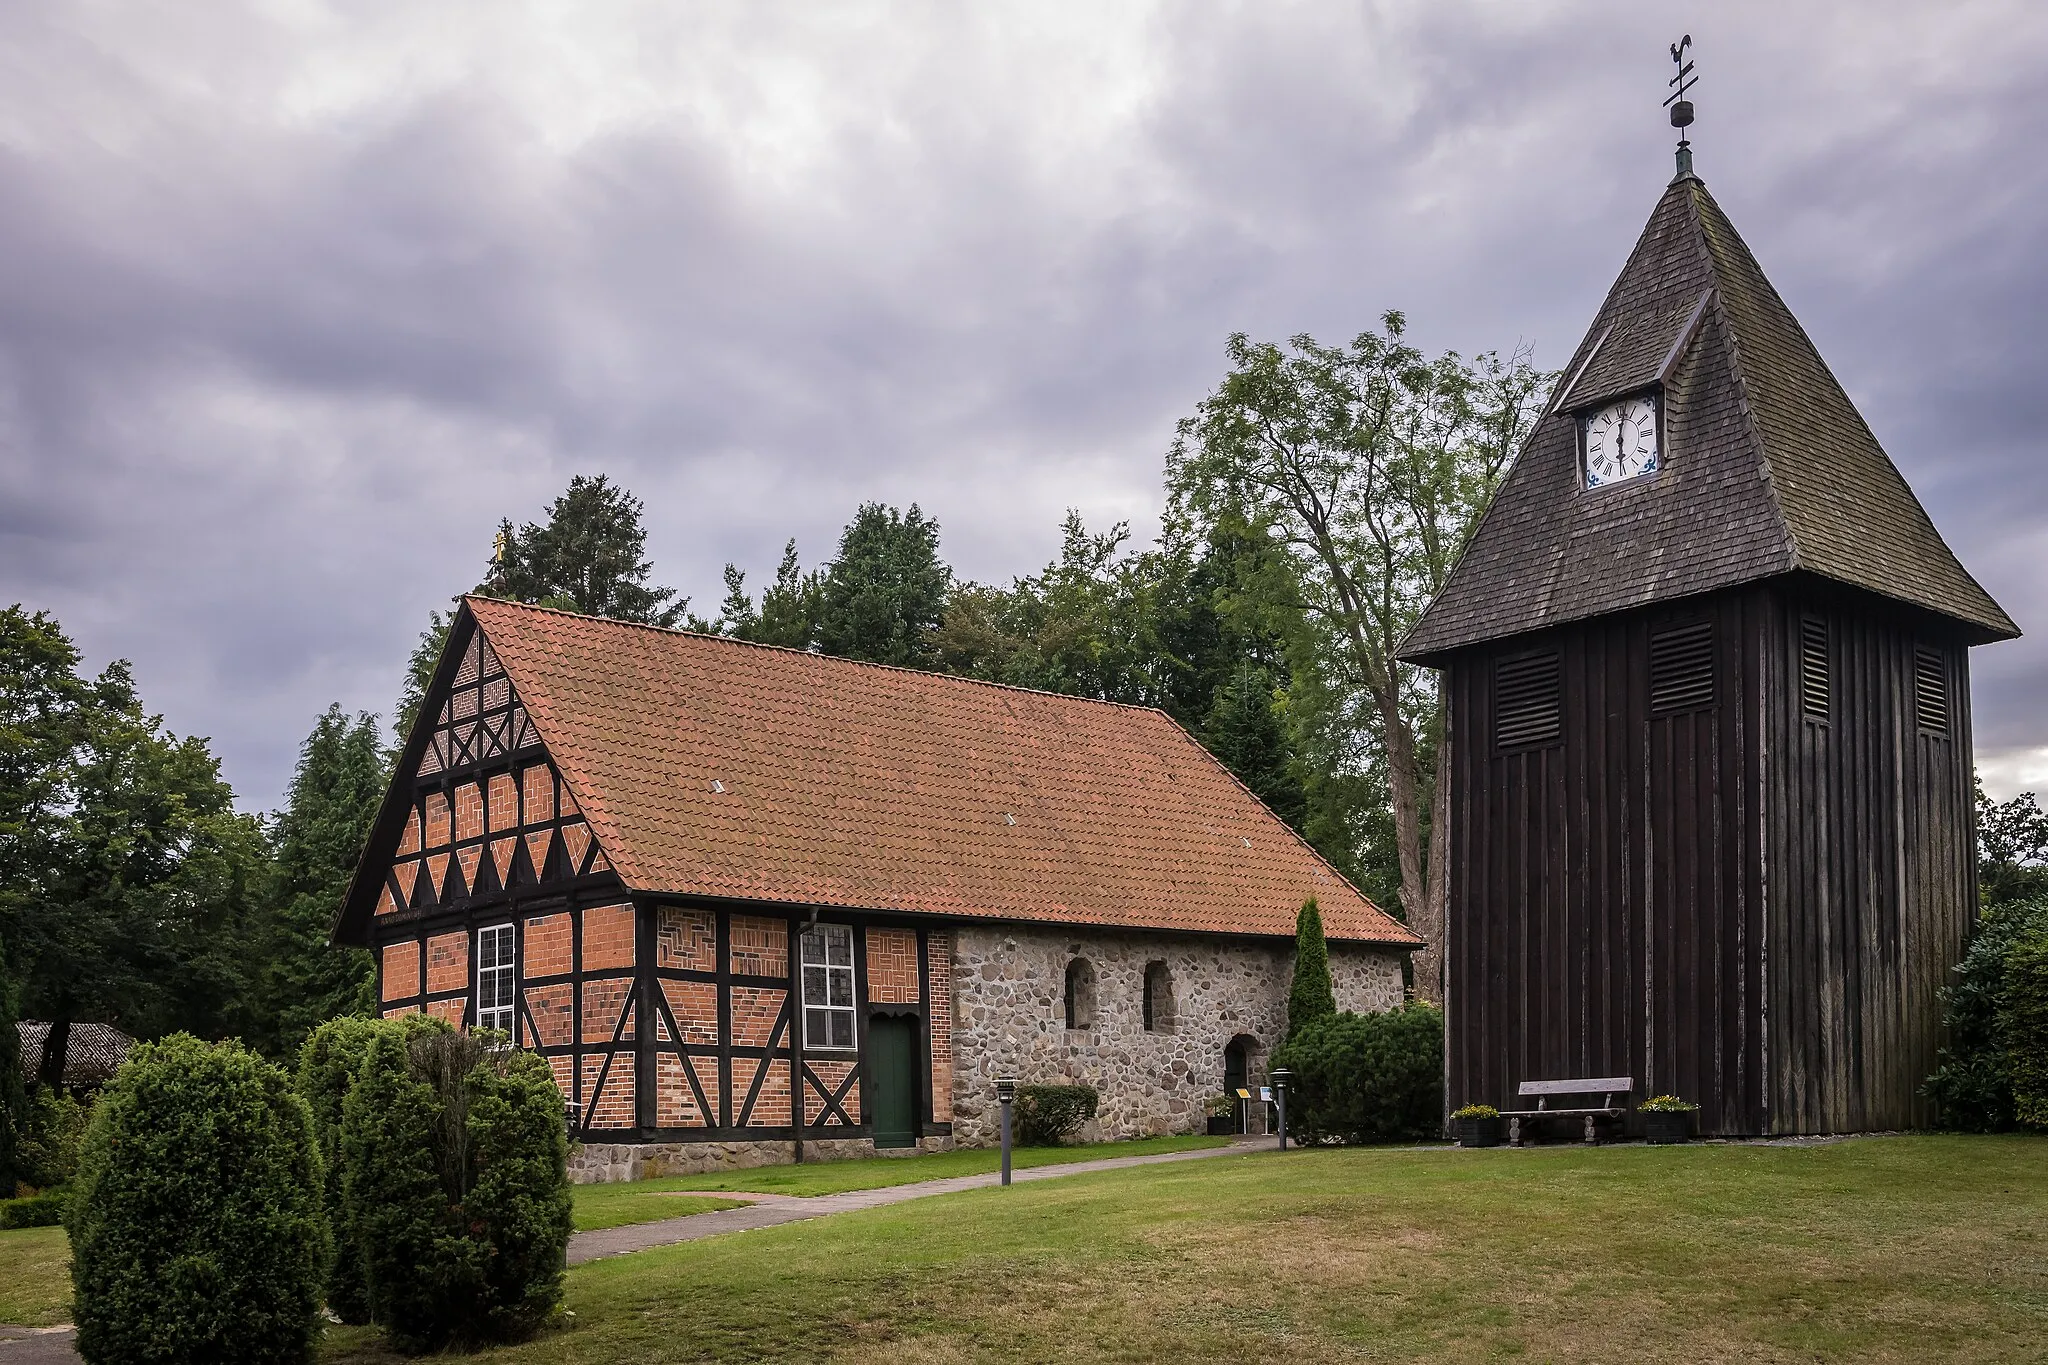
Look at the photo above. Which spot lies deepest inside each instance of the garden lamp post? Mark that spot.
(1281, 1077)
(1006, 1091)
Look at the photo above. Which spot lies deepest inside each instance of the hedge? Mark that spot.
(455, 1185)
(1049, 1114)
(1366, 1077)
(2023, 1026)
(195, 1223)
(1972, 1083)
(44, 1210)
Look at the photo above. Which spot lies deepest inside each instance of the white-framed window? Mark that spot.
(828, 986)
(495, 983)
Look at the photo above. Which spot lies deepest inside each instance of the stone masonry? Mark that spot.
(1009, 1000)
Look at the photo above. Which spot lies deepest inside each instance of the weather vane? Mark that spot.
(1680, 106)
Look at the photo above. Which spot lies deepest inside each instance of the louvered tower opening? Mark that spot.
(1528, 705)
(1930, 690)
(1682, 667)
(1813, 667)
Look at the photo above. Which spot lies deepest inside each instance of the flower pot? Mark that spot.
(1221, 1125)
(1667, 1127)
(1477, 1132)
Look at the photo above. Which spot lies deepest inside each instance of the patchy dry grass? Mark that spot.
(1887, 1250)
(35, 1277)
(834, 1177)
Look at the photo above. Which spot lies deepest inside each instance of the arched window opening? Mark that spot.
(1158, 998)
(1080, 994)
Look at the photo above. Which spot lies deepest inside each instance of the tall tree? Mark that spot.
(1247, 732)
(1311, 996)
(318, 838)
(1369, 464)
(590, 556)
(884, 593)
(789, 610)
(2012, 848)
(139, 911)
(13, 1098)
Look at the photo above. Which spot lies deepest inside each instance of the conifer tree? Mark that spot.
(318, 838)
(883, 596)
(589, 557)
(1247, 733)
(1311, 997)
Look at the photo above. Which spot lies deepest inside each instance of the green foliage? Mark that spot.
(2012, 848)
(1475, 1111)
(2023, 1025)
(1312, 996)
(588, 557)
(13, 1094)
(419, 673)
(52, 1138)
(1048, 1115)
(455, 1187)
(128, 879)
(788, 615)
(318, 838)
(1246, 730)
(196, 1230)
(1366, 1077)
(1667, 1104)
(1972, 1082)
(44, 1210)
(328, 1064)
(882, 596)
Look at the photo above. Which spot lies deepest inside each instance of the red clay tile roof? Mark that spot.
(851, 784)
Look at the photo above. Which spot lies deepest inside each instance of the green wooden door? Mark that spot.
(892, 1079)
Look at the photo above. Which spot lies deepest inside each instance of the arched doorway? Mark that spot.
(1243, 1060)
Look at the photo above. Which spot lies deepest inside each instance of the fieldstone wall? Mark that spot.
(597, 1163)
(1009, 1003)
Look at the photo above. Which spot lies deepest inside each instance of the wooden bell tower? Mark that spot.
(1707, 667)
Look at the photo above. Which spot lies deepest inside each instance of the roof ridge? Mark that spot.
(816, 654)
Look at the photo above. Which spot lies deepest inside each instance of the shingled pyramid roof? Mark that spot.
(712, 768)
(1768, 468)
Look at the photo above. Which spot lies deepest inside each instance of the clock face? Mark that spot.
(1621, 442)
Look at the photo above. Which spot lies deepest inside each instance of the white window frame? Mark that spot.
(497, 962)
(828, 988)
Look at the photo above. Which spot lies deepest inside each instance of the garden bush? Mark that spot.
(328, 1063)
(195, 1223)
(44, 1210)
(1366, 1077)
(2023, 1026)
(1972, 1085)
(1048, 1115)
(455, 1185)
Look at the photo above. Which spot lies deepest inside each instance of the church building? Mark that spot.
(1707, 662)
(757, 905)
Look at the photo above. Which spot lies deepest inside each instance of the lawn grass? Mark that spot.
(834, 1177)
(1887, 1250)
(614, 1206)
(35, 1277)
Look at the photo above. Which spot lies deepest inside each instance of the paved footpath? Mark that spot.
(771, 1210)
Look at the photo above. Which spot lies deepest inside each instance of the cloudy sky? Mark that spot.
(298, 299)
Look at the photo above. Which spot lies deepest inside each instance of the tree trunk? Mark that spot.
(56, 1049)
(1429, 963)
(1404, 783)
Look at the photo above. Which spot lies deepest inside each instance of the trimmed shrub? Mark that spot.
(1366, 1077)
(328, 1063)
(2023, 1026)
(44, 1210)
(1049, 1114)
(455, 1184)
(1311, 997)
(1972, 1082)
(196, 1228)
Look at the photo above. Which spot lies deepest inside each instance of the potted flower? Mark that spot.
(1667, 1118)
(1222, 1111)
(1477, 1125)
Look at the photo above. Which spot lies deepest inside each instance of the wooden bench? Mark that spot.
(1606, 1087)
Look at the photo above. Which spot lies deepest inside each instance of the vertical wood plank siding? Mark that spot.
(1731, 903)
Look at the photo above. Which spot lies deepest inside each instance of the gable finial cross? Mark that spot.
(1680, 106)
